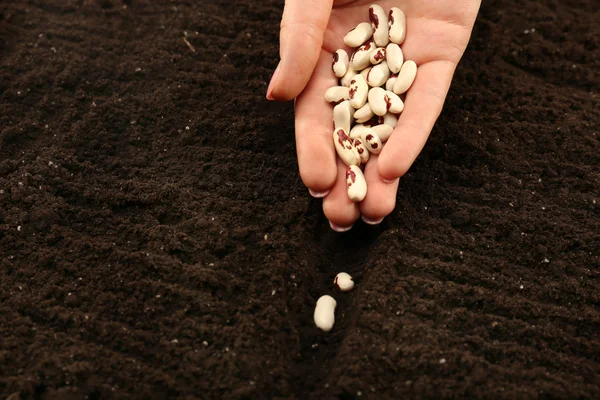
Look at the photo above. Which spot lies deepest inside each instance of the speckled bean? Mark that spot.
(362, 150)
(394, 104)
(377, 56)
(344, 282)
(377, 101)
(361, 58)
(357, 185)
(379, 23)
(337, 93)
(358, 91)
(340, 63)
(344, 147)
(397, 25)
(372, 142)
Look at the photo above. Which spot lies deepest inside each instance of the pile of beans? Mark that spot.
(369, 98)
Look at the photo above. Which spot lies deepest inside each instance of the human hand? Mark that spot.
(437, 33)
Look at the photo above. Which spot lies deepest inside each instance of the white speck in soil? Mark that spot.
(442, 361)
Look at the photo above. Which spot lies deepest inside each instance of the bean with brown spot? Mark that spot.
(372, 141)
(377, 56)
(357, 185)
(358, 91)
(361, 58)
(362, 150)
(397, 25)
(377, 101)
(340, 63)
(344, 147)
(379, 23)
(394, 104)
(337, 94)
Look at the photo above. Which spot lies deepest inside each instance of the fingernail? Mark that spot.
(371, 221)
(273, 78)
(389, 181)
(338, 228)
(318, 195)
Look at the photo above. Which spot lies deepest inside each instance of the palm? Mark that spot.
(437, 35)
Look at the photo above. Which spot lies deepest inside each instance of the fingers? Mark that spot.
(314, 130)
(337, 206)
(381, 196)
(301, 37)
(423, 105)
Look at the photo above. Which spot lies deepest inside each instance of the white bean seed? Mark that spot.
(397, 25)
(389, 85)
(395, 105)
(340, 63)
(337, 93)
(358, 130)
(344, 282)
(363, 114)
(379, 23)
(383, 131)
(358, 35)
(357, 185)
(394, 57)
(376, 98)
(406, 77)
(362, 150)
(361, 58)
(325, 313)
(365, 72)
(342, 116)
(377, 56)
(390, 119)
(344, 147)
(378, 75)
(347, 78)
(372, 142)
(358, 91)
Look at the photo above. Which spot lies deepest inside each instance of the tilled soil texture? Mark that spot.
(156, 240)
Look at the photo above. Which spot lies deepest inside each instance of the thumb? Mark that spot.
(301, 37)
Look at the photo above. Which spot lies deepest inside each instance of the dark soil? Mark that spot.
(156, 240)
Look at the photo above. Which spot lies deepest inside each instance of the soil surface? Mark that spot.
(156, 240)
